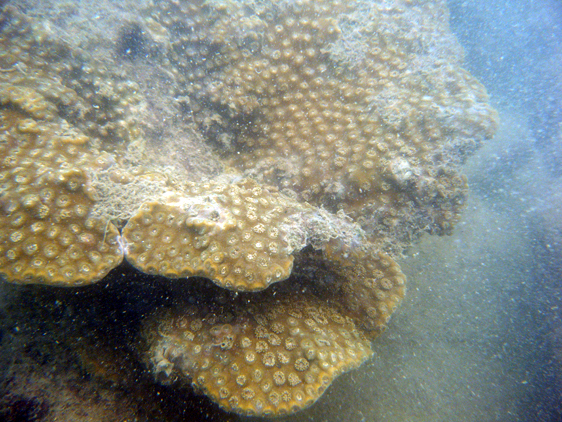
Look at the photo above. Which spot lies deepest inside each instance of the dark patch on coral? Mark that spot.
(131, 43)
(15, 408)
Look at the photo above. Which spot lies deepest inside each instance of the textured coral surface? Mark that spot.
(232, 234)
(286, 151)
(48, 234)
(267, 357)
(360, 106)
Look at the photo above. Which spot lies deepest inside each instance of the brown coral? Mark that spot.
(354, 106)
(48, 79)
(350, 104)
(371, 287)
(47, 235)
(232, 234)
(257, 356)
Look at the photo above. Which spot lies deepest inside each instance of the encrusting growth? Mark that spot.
(48, 235)
(371, 283)
(356, 105)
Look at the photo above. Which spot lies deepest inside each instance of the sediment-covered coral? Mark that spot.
(371, 284)
(343, 124)
(360, 106)
(84, 92)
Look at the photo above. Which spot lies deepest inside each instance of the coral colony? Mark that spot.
(338, 128)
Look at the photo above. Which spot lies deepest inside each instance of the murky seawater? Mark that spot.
(479, 334)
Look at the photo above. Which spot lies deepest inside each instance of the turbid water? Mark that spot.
(476, 337)
(479, 335)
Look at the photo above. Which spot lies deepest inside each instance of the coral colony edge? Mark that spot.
(266, 161)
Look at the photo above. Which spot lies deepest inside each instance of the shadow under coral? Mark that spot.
(72, 353)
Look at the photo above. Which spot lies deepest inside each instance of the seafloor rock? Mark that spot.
(360, 108)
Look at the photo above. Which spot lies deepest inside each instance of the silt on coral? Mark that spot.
(341, 126)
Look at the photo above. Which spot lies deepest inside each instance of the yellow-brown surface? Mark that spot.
(257, 357)
(371, 287)
(47, 234)
(48, 79)
(231, 234)
(51, 239)
(358, 112)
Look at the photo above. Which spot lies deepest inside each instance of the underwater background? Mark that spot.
(478, 336)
